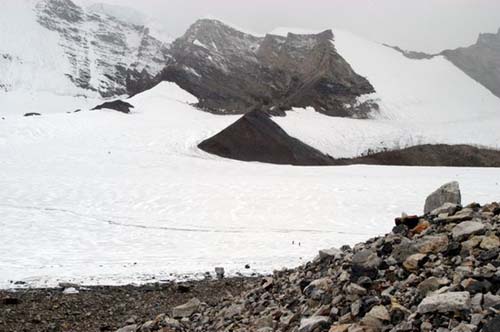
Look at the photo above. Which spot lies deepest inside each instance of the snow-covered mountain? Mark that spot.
(51, 49)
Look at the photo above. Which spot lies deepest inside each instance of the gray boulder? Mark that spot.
(447, 302)
(310, 324)
(467, 228)
(187, 309)
(448, 193)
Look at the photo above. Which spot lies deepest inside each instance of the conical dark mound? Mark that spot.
(255, 137)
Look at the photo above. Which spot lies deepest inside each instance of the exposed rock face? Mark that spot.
(412, 54)
(106, 55)
(480, 61)
(117, 105)
(255, 137)
(229, 71)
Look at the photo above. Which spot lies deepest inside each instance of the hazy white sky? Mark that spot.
(428, 25)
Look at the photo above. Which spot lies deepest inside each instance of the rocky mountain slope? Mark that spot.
(480, 61)
(229, 71)
(87, 52)
(435, 272)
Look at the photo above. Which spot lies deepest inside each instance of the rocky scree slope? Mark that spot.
(437, 272)
(230, 71)
(255, 137)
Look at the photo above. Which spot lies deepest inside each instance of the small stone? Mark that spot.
(493, 325)
(355, 289)
(365, 263)
(432, 244)
(447, 302)
(490, 242)
(413, 262)
(219, 272)
(490, 300)
(128, 328)
(466, 229)
(187, 309)
(379, 312)
(340, 328)
(430, 285)
(312, 323)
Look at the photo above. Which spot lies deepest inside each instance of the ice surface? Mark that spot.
(108, 198)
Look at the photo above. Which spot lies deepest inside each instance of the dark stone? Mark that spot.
(183, 288)
(365, 282)
(11, 301)
(117, 105)
(489, 255)
(397, 316)
(410, 221)
(255, 137)
(478, 287)
(400, 229)
(365, 263)
(493, 325)
(454, 249)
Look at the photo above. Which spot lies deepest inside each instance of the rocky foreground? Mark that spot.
(438, 272)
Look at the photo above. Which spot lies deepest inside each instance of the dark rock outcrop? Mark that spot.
(230, 71)
(412, 54)
(432, 155)
(32, 114)
(117, 105)
(255, 137)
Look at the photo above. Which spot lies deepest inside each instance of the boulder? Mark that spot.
(365, 263)
(330, 253)
(187, 309)
(447, 302)
(467, 228)
(116, 105)
(447, 207)
(448, 193)
(312, 323)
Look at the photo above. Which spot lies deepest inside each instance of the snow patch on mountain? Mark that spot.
(424, 101)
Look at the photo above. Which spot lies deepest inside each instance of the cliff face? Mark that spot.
(229, 71)
(480, 61)
(105, 53)
(87, 52)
